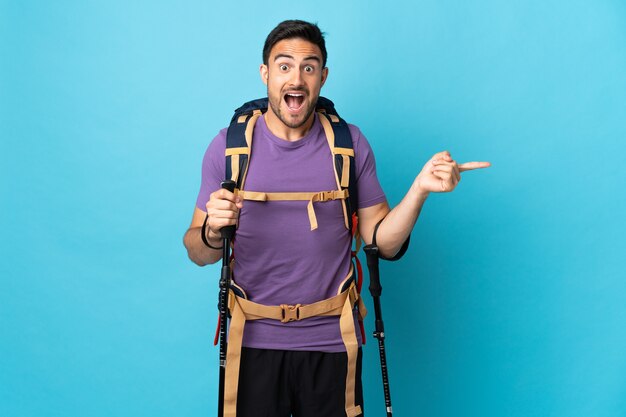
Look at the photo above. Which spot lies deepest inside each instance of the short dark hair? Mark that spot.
(290, 29)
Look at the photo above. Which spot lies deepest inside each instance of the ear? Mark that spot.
(324, 76)
(264, 73)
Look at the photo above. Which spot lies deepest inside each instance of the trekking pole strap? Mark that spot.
(400, 252)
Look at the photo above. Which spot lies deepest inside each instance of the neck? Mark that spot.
(281, 130)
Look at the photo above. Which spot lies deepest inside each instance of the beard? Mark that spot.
(275, 104)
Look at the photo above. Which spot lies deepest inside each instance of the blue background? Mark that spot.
(511, 300)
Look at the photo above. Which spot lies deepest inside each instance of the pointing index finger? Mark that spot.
(468, 166)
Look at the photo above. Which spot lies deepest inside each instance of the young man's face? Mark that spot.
(294, 77)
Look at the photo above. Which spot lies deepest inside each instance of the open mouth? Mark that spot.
(294, 101)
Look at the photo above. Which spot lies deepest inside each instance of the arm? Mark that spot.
(440, 174)
(210, 196)
(397, 224)
(223, 210)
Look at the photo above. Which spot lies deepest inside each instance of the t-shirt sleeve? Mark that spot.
(368, 186)
(213, 169)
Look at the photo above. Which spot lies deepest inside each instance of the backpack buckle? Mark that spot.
(290, 313)
(326, 196)
(321, 196)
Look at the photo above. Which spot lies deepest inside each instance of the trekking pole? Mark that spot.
(227, 232)
(371, 253)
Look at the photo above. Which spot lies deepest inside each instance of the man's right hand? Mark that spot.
(223, 210)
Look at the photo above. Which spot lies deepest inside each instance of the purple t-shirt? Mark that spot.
(278, 259)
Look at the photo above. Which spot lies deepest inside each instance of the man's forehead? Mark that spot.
(296, 48)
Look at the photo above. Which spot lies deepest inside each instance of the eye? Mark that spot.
(283, 67)
(309, 69)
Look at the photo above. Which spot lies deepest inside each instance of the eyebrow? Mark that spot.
(308, 58)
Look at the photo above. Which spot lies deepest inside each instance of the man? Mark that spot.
(299, 368)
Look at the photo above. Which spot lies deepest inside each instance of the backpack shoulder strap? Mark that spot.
(340, 142)
(239, 139)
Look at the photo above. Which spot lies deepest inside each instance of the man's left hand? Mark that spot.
(442, 174)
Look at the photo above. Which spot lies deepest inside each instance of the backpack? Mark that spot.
(238, 148)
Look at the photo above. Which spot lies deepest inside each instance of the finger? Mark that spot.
(468, 166)
(222, 205)
(443, 162)
(441, 155)
(448, 166)
(215, 225)
(449, 177)
(222, 217)
(224, 194)
(445, 168)
(223, 214)
(218, 224)
(444, 175)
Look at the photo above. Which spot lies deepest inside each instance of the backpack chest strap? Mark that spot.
(311, 197)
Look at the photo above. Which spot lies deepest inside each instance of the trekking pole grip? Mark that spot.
(371, 254)
(228, 232)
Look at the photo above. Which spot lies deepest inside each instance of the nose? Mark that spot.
(296, 78)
